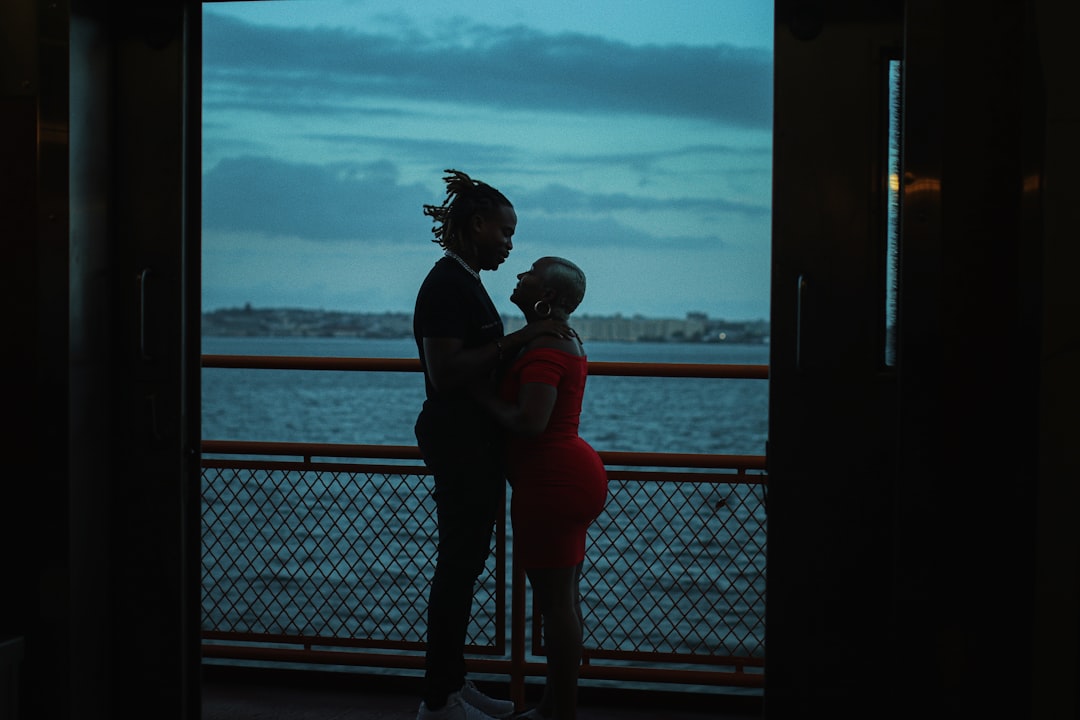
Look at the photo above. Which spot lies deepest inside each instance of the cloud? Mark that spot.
(645, 159)
(319, 202)
(560, 199)
(511, 68)
(421, 149)
(347, 201)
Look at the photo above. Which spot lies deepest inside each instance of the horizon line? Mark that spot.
(686, 314)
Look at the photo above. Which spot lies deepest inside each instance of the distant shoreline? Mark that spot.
(249, 321)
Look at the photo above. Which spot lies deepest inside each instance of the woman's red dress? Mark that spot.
(559, 482)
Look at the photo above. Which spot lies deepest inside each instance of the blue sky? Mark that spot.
(633, 138)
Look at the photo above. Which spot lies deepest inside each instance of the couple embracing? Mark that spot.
(502, 407)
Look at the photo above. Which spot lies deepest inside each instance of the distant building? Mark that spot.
(295, 322)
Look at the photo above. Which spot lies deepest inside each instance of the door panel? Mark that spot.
(134, 369)
(832, 400)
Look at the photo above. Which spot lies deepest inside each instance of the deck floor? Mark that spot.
(246, 696)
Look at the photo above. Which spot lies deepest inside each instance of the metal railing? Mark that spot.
(321, 554)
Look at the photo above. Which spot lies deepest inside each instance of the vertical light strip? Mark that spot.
(893, 196)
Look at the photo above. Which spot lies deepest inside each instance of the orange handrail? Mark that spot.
(627, 369)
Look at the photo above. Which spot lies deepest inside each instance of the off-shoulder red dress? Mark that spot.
(559, 482)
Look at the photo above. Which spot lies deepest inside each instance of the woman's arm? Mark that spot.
(450, 365)
(530, 415)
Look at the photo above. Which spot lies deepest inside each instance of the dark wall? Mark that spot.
(34, 496)
(970, 335)
(100, 527)
(911, 568)
(1057, 588)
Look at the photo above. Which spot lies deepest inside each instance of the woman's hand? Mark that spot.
(518, 340)
(549, 326)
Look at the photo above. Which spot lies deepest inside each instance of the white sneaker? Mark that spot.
(454, 709)
(480, 701)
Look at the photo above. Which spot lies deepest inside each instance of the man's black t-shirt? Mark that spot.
(452, 303)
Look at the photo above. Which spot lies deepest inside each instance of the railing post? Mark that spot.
(517, 635)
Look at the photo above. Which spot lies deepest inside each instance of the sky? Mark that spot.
(632, 137)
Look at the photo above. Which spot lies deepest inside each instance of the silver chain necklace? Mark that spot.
(452, 254)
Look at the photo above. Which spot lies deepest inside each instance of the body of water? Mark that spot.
(692, 415)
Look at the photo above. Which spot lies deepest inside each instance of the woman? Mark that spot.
(558, 480)
(459, 337)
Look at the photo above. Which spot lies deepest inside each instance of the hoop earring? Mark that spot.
(546, 312)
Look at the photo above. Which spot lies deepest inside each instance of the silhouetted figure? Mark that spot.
(459, 337)
(559, 482)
